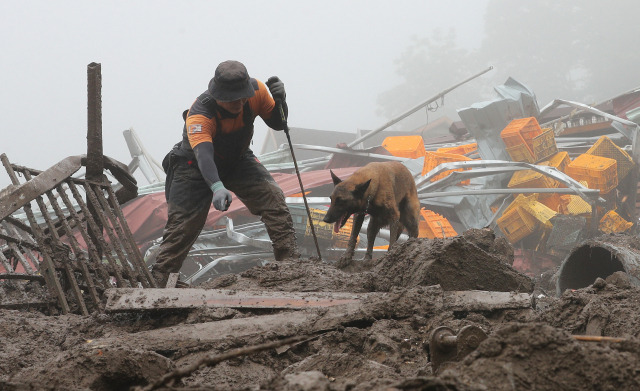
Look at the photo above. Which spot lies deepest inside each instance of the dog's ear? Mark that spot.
(335, 178)
(358, 192)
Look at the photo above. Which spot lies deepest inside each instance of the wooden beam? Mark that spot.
(485, 300)
(135, 299)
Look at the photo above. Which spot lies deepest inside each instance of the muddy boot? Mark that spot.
(160, 277)
(287, 252)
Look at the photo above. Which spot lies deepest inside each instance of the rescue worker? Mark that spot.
(214, 159)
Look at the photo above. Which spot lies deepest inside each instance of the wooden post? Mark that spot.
(94, 123)
(95, 164)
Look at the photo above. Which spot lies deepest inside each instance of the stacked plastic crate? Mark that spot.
(433, 225)
(527, 142)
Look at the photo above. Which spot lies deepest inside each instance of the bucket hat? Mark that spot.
(231, 82)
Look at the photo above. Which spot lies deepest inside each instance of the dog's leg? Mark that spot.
(358, 219)
(395, 229)
(372, 232)
(409, 217)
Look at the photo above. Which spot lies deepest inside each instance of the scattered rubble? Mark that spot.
(379, 342)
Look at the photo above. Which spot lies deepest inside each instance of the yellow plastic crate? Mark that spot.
(434, 159)
(540, 212)
(544, 146)
(405, 146)
(520, 200)
(432, 225)
(599, 172)
(521, 153)
(530, 179)
(553, 201)
(611, 222)
(574, 205)
(325, 230)
(606, 148)
(516, 224)
(560, 161)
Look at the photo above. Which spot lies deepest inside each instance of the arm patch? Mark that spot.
(195, 128)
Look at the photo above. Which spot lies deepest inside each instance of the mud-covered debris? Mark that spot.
(100, 369)
(307, 381)
(454, 264)
(615, 309)
(537, 356)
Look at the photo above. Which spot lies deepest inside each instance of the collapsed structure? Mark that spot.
(508, 165)
(511, 192)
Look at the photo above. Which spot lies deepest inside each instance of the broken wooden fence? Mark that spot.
(75, 253)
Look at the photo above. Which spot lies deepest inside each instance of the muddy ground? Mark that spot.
(380, 343)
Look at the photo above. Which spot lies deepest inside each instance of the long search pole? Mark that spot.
(295, 163)
(413, 110)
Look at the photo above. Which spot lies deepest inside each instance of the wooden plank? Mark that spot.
(136, 299)
(21, 195)
(172, 280)
(174, 338)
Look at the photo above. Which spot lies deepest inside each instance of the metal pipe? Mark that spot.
(413, 110)
(598, 258)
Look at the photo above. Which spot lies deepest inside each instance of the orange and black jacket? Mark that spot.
(216, 139)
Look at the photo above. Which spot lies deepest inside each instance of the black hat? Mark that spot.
(231, 82)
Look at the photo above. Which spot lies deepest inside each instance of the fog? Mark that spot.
(335, 59)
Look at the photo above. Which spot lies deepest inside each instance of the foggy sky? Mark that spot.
(335, 58)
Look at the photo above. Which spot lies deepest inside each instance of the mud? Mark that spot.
(382, 343)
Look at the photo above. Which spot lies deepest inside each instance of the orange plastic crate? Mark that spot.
(521, 131)
(512, 137)
(433, 225)
(434, 159)
(405, 146)
(516, 224)
(599, 172)
(460, 149)
(544, 145)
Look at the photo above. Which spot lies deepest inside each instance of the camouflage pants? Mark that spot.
(189, 200)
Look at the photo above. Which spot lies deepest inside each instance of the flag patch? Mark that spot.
(196, 128)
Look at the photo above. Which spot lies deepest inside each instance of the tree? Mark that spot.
(583, 51)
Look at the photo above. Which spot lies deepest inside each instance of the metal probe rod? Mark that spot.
(295, 163)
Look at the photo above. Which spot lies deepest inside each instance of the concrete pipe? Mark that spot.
(599, 257)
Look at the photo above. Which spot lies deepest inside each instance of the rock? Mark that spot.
(307, 381)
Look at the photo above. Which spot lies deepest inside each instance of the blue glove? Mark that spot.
(221, 196)
(276, 88)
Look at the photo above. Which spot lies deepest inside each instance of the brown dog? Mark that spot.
(387, 192)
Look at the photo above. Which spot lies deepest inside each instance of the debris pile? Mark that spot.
(379, 340)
